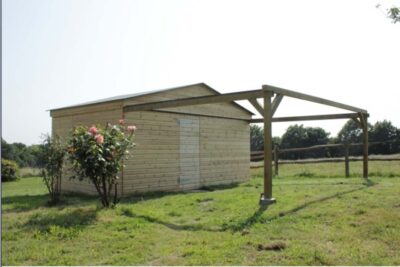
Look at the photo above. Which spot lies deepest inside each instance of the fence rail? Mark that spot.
(259, 155)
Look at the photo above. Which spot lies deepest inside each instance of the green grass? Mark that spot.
(316, 221)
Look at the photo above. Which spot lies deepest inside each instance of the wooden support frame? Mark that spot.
(229, 97)
(267, 112)
(266, 196)
(311, 98)
(364, 124)
(243, 95)
(275, 103)
(257, 106)
(310, 117)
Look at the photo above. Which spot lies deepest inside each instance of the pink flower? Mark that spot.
(93, 130)
(99, 139)
(131, 128)
(121, 121)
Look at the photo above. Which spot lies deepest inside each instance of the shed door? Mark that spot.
(189, 153)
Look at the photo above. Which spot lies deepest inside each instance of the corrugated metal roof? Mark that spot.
(128, 96)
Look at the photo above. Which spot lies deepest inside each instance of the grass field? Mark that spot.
(316, 221)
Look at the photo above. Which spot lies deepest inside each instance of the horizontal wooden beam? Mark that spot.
(244, 95)
(310, 118)
(311, 98)
(297, 149)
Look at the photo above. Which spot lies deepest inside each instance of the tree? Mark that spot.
(256, 138)
(394, 14)
(96, 154)
(384, 131)
(300, 136)
(53, 156)
(350, 133)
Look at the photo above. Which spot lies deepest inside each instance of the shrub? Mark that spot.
(9, 170)
(96, 154)
(53, 156)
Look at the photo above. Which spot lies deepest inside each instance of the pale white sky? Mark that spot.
(58, 53)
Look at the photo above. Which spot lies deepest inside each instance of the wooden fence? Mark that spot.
(259, 155)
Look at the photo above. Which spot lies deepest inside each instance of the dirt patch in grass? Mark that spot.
(276, 246)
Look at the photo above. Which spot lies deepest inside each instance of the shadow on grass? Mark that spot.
(77, 218)
(157, 195)
(176, 227)
(29, 202)
(256, 217)
(24, 203)
(246, 223)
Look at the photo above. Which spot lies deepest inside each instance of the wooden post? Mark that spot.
(266, 197)
(346, 159)
(276, 159)
(364, 121)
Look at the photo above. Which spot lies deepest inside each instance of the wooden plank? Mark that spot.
(276, 159)
(333, 160)
(267, 145)
(309, 148)
(256, 105)
(195, 100)
(275, 103)
(311, 98)
(357, 122)
(346, 160)
(309, 117)
(364, 121)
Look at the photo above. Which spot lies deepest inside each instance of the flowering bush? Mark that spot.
(96, 154)
(53, 157)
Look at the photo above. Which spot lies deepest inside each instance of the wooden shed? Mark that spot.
(177, 148)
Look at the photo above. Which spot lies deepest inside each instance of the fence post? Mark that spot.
(346, 159)
(276, 159)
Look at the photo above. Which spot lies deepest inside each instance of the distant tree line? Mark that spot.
(299, 136)
(23, 155)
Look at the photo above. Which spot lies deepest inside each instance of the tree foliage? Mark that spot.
(97, 153)
(53, 158)
(394, 14)
(9, 170)
(256, 138)
(300, 136)
(25, 156)
(384, 131)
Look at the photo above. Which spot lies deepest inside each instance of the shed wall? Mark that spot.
(158, 162)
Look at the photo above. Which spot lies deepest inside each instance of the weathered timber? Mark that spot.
(276, 159)
(298, 149)
(325, 160)
(311, 98)
(346, 160)
(275, 103)
(310, 117)
(244, 95)
(257, 106)
(364, 121)
(266, 197)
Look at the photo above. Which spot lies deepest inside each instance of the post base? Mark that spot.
(266, 201)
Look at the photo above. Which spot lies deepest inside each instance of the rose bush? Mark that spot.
(97, 153)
